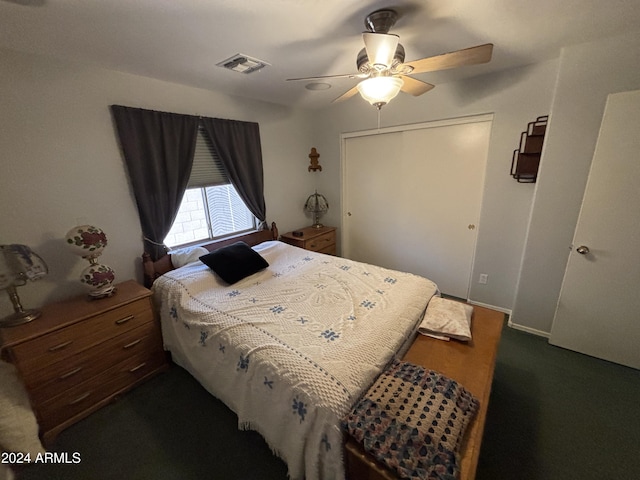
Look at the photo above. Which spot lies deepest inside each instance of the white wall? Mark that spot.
(61, 163)
(587, 74)
(516, 97)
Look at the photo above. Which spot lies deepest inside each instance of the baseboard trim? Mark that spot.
(510, 324)
(533, 331)
(492, 307)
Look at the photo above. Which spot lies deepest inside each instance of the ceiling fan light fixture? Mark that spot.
(381, 49)
(379, 91)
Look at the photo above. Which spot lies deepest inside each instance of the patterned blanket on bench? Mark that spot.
(413, 421)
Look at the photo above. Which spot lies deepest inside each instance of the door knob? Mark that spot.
(582, 250)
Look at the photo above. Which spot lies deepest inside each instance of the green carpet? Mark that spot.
(557, 414)
(554, 414)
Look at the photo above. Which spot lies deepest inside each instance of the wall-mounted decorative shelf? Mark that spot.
(526, 159)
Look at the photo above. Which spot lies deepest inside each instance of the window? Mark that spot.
(211, 207)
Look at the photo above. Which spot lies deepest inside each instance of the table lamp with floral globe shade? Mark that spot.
(88, 242)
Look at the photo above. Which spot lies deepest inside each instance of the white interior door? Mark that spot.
(598, 312)
(412, 200)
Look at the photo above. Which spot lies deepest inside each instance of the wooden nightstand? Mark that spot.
(321, 239)
(81, 353)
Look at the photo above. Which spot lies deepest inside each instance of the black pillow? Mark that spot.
(234, 262)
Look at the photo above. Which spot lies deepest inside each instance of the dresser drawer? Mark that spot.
(52, 380)
(81, 353)
(321, 241)
(64, 343)
(87, 396)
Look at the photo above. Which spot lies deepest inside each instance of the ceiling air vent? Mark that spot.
(242, 63)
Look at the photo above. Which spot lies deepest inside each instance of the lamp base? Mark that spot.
(18, 318)
(104, 292)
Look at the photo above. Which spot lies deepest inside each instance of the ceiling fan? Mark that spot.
(382, 68)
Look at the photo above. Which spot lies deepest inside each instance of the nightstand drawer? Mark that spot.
(329, 250)
(62, 344)
(321, 241)
(88, 395)
(52, 380)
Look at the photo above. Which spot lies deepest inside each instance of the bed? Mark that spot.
(291, 348)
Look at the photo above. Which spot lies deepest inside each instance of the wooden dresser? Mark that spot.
(81, 353)
(321, 239)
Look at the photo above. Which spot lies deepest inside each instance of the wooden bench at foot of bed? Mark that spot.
(471, 365)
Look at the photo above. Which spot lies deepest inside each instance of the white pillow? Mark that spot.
(182, 256)
(18, 425)
(445, 319)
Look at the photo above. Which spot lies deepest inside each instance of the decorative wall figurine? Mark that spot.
(313, 156)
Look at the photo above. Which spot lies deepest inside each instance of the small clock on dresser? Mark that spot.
(322, 239)
(82, 353)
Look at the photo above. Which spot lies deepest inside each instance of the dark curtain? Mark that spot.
(158, 148)
(237, 144)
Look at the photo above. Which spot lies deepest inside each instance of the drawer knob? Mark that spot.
(124, 320)
(61, 346)
(69, 373)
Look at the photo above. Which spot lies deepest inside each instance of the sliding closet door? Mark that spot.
(412, 200)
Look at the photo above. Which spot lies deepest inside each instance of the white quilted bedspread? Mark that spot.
(292, 348)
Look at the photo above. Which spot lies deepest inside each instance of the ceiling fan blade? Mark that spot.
(325, 77)
(459, 58)
(415, 87)
(346, 95)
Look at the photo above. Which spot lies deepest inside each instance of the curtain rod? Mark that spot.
(200, 117)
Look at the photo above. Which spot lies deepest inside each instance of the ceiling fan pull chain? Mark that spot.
(378, 119)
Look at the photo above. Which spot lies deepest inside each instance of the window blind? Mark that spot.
(207, 169)
(227, 212)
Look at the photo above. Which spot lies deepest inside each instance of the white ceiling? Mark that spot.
(182, 40)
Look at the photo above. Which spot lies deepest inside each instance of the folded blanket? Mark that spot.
(445, 319)
(413, 421)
